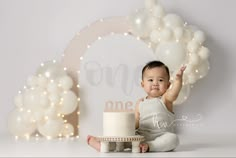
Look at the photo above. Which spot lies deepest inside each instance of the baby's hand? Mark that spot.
(180, 72)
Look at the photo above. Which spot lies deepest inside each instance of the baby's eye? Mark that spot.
(150, 80)
(161, 80)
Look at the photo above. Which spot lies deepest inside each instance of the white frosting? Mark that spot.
(118, 124)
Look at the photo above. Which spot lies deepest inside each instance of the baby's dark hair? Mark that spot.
(153, 64)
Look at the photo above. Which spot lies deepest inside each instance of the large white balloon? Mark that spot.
(21, 123)
(51, 128)
(18, 100)
(173, 54)
(67, 130)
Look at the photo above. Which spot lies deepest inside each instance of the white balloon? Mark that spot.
(193, 46)
(138, 22)
(42, 82)
(172, 21)
(69, 103)
(34, 99)
(150, 3)
(155, 36)
(21, 123)
(179, 33)
(66, 82)
(183, 95)
(51, 112)
(188, 35)
(158, 11)
(153, 23)
(202, 69)
(67, 130)
(52, 87)
(172, 54)
(199, 36)
(166, 34)
(51, 70)
(194, 59)
(32, 81)
(51, 128)
(18, 100)
(39, 114)
(54, 98)
(204, 53)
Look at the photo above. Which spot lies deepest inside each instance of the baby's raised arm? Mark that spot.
(172, 93)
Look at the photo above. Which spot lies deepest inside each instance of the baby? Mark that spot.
(154, 114)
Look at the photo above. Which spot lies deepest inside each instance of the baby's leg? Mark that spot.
(93, 142)
(165, 142)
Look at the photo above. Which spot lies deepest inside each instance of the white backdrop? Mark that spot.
(35, 31)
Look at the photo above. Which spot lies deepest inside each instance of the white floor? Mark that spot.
(191, 146)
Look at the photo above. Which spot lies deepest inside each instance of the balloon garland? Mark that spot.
(173, 42)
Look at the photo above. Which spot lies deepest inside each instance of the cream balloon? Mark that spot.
(32, 81)
(155, 36)
(69, 103)
(18, 100)
(173, 21)
(199, 36)
(66, 82)
(150, 3)
(173, 54)
(202, 69)
(158, 11)
(21, 123)
(51, 70)
(51, 128)
(67, 130)
(138, 22)
(204, 53)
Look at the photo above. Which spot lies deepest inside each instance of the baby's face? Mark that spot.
(155, 81)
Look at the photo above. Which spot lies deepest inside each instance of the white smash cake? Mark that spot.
(118, 124)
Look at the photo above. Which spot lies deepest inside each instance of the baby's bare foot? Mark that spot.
(93, 142)
(144, 148)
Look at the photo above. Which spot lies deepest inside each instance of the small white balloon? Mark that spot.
(52, 87)
(66, 82)
(54, 98)
(179, 33)
(202, 69)
(18, 100)
(67, 130)
(42, 81)
(153, 23)
(32, 81)
(150, 3)
(51, 70)
(188, 35)
(193, 46)
(199, 36)
(69, 103)
(173, 21)
(194, 59)
(155, 36)
(51, 112)
(158, 11)
(166, 34)
(204, 53)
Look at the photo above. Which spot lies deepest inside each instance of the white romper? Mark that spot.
(156, 124)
